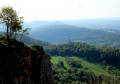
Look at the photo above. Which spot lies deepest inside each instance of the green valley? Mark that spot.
(96, 68)
(80, 63)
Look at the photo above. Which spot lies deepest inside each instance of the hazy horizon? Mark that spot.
(51, 10)
(115, 18)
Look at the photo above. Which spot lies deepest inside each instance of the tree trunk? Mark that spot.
(7, 33)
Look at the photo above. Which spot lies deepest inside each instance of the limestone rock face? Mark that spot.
(21, 64)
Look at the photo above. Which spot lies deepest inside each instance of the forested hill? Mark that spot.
(62, 33)
(29, 40)
(32, 41)
(103, 55)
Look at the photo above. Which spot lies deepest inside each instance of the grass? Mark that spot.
(96, 68)
(56, 59)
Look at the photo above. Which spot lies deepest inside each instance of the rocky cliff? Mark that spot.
(23, 64)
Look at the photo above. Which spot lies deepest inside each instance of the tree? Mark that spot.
(10, 18)
(15, 27)
(24, 32)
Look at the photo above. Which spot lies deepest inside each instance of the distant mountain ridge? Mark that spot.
(31, 41)
(103, 23)
(76, 30)
(100, 23)
(35, 24)
(62, 33)
(41, 24)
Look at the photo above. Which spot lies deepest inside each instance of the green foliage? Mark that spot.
(89, 73)
(73, 63)
(16, 26)
(94, 67)
(82, 64)
(10, 18)
(24, 32)
(90, 53)
(56, 59)
(98, 64)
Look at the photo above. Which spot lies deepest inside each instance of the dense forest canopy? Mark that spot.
(106, 59)
(88, 52)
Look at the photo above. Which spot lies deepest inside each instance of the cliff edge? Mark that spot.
(23, 64)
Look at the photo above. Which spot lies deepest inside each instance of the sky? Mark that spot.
(51, 10)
